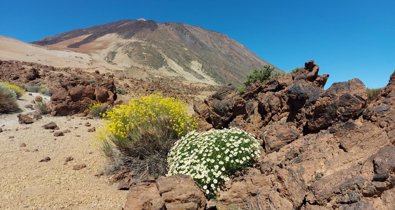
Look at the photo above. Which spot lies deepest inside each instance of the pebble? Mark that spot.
(93, 129)
(79, 167)
(46, 159)
(68, 159)
(58, 133)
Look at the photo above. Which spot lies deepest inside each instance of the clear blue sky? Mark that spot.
(347, 38)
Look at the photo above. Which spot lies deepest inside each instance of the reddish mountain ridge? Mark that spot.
(167, 49)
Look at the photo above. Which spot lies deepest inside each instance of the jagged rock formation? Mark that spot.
(72, 90)
(166, 49)
(323, 149)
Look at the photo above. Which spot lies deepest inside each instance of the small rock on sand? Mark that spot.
(58, 133)
(46, 159)
(51, 125)
(79, 167)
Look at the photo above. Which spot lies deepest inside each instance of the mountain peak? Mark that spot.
(172, 48)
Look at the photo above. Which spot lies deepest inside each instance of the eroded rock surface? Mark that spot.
(172, 193)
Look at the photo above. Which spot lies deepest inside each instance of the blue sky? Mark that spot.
(347, 38)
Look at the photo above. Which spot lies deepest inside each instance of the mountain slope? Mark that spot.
(168, 49)
(12, 49)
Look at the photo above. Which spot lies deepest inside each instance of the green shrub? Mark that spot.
(8, 102)
(41, 107)
(263, 75)
(92, 82)
(121, 91)
(241, 89)
(138, 135)
(97, 109)
(37, 89)
(373, 93)
(18, 90)
(210, 158)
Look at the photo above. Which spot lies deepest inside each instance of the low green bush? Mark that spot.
(373, 93)
(8, 99)
(263, 75)
(241, 89)
(37, 89)
(210, 158)
(121, 91)
(41, 107)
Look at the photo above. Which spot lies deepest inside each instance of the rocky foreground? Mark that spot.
(323, 149)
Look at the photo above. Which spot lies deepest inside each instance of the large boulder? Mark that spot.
(144, 196)
(172, 193)
(341, 102)
(181, 192)
(76, 94)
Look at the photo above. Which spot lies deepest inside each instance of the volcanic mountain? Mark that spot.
(164, 49)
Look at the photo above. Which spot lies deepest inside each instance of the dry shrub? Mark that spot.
(8, 99)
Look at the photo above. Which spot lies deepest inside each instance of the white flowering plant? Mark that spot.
(211, 157)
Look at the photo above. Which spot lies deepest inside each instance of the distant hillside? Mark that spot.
(168, 49)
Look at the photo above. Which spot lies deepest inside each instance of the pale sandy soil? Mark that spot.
(12, 49)
(26, 183)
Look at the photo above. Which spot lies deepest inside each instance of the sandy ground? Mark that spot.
(26, 183)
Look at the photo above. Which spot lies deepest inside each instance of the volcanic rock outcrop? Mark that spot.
(323, 149)
(72, 90)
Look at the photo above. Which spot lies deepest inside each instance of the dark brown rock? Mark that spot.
(32, 74)
(38, 99)
(76, 92)
(46, 159)
(79, 167)
(51, 125)
(144, 195)
(341, 102)
(276, 136)
(101, 94)
(59, 94)
(181, 192)
(68, 159)
(25, 119)
(58, 133)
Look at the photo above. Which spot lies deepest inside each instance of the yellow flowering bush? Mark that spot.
(141, 132)
(18, 90)
(126, 118)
